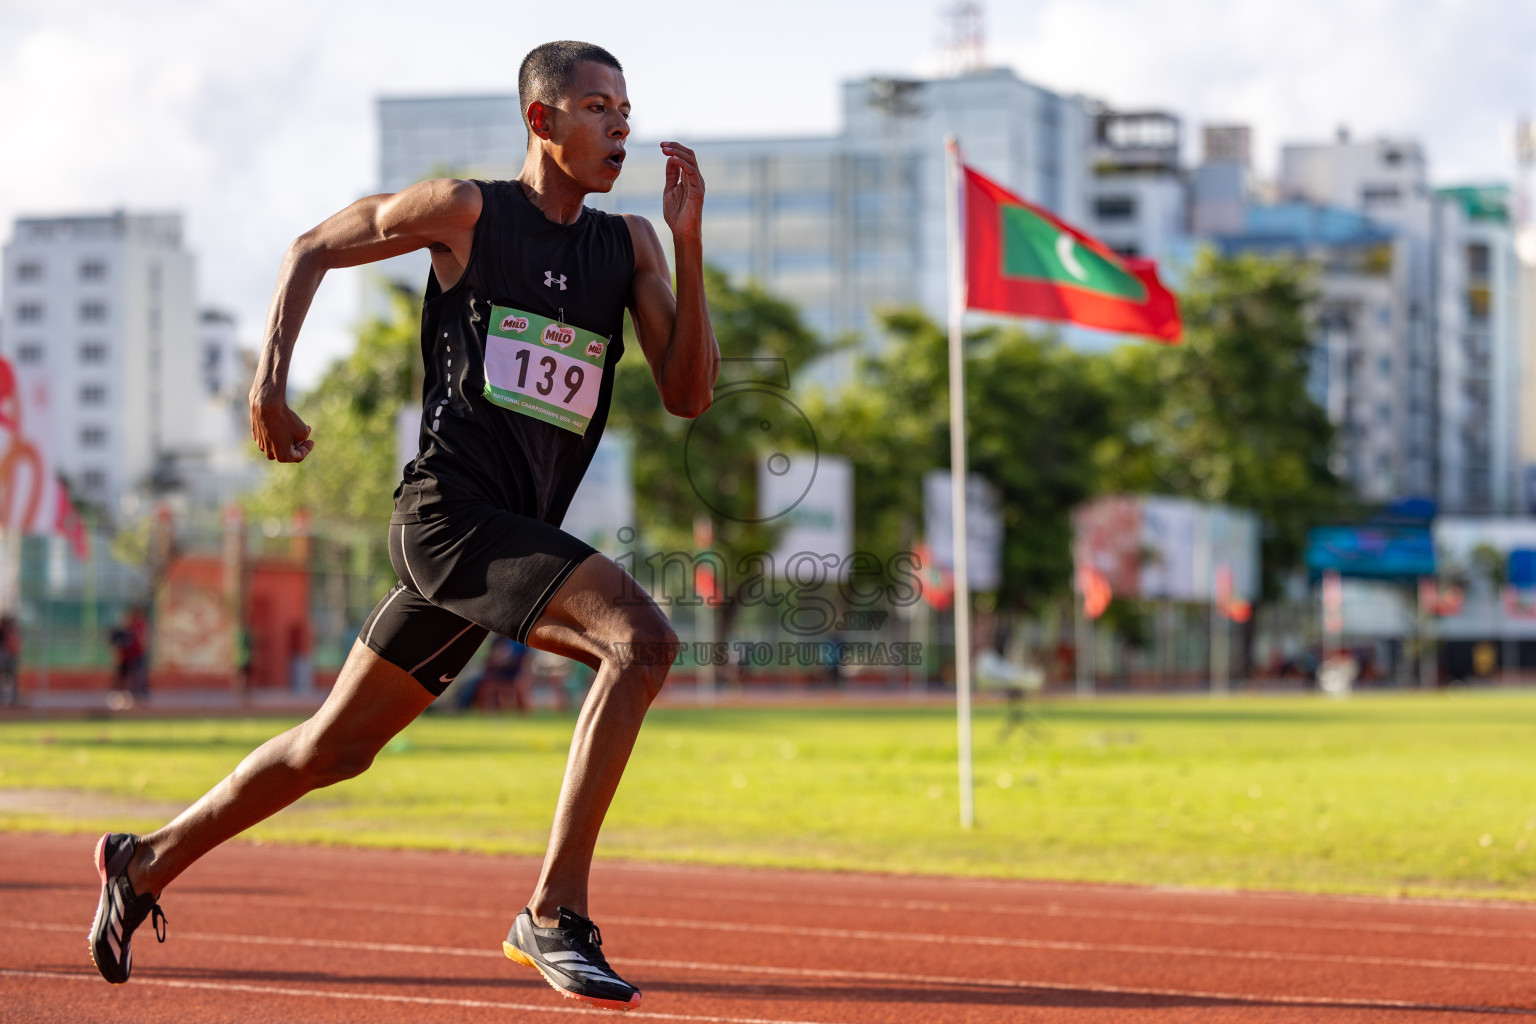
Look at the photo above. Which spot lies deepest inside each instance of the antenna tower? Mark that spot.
(964, 42)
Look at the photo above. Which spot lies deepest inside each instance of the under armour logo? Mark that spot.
(550, 280)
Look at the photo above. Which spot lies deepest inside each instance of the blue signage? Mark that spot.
(1379, 552)
(1522, 568)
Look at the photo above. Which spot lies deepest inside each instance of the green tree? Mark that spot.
(1035, 414)
(1226, 416)
(349, 479)
(708, 467)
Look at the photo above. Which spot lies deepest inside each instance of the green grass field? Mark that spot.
(1389, 795)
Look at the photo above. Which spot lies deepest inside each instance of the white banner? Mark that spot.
(983, 528)
(1153, 546)
(820, 491)
(407, 434)
(605, 502)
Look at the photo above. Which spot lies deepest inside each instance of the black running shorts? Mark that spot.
(465, 570)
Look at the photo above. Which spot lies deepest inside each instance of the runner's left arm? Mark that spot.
(674, 330)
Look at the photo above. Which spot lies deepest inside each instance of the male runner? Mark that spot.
(522, 326)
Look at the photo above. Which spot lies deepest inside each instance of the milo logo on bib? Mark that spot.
(557, 379)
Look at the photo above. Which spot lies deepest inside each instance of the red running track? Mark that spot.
(263, 933)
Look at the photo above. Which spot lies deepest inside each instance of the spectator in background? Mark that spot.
(502, 675)
(10, 660)
(130, 642)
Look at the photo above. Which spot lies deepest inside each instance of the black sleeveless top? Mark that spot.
(471, 450)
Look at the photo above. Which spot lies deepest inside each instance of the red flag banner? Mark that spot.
(1022, 261)
(68, 524)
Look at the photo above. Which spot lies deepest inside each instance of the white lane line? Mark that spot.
(790, 972)
(1015, 885)
(280, 940)
(798, 876)
(1054, 911)
(933, 938)
(1071, 946)
(829, 973)
(1056, 986)
(367, 997)
(1060, 912)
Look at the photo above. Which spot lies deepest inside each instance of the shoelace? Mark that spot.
(594, 952)
(157, 921)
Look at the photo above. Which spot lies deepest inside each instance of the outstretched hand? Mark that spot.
(278, 430)
(682, 198)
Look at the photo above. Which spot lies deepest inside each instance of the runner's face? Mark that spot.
(588, 129)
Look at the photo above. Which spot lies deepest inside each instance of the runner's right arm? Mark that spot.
(439, 215)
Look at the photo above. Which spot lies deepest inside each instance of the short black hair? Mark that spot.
(548, 71)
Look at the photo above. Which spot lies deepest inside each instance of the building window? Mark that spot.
(93, 312)
(1114, 208)
(29, 312)
(93, 270)
(93, 352)
(1384, 366)
(1479, 261)
(213, 360)
(93, 480)
(31, 270)
(93, 394)
(29, 352)
(92, 437)
(1380, 195)
(1479, 303)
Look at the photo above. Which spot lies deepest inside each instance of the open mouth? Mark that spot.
(615, 160)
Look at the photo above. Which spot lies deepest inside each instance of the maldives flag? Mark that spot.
(1022, 261)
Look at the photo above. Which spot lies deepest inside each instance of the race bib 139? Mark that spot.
(543, 368)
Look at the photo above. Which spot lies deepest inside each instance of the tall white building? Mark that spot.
(1525, 250)
(224, 463)
(422, 137)
(1358, 373)
(104, 304)
(1418, 332)
(1477, 277)
(1139, 204)
(1387, 182)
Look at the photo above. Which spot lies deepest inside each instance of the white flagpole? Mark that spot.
(957, 476)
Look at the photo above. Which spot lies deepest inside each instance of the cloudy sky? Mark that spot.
(256, 118)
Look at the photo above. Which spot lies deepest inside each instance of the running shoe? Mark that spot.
(121, 910)
(570, 957)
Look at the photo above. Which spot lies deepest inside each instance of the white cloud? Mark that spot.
(1453, 74)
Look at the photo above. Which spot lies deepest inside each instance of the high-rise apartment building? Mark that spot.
(1418, 354)
(104, 305)
(1387, 182)
(1477, 300)
(1357, 372)
(224, 463)
(1139, 204)
(423, 137)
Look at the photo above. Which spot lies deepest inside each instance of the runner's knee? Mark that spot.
(329, 760)
(647, 651)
